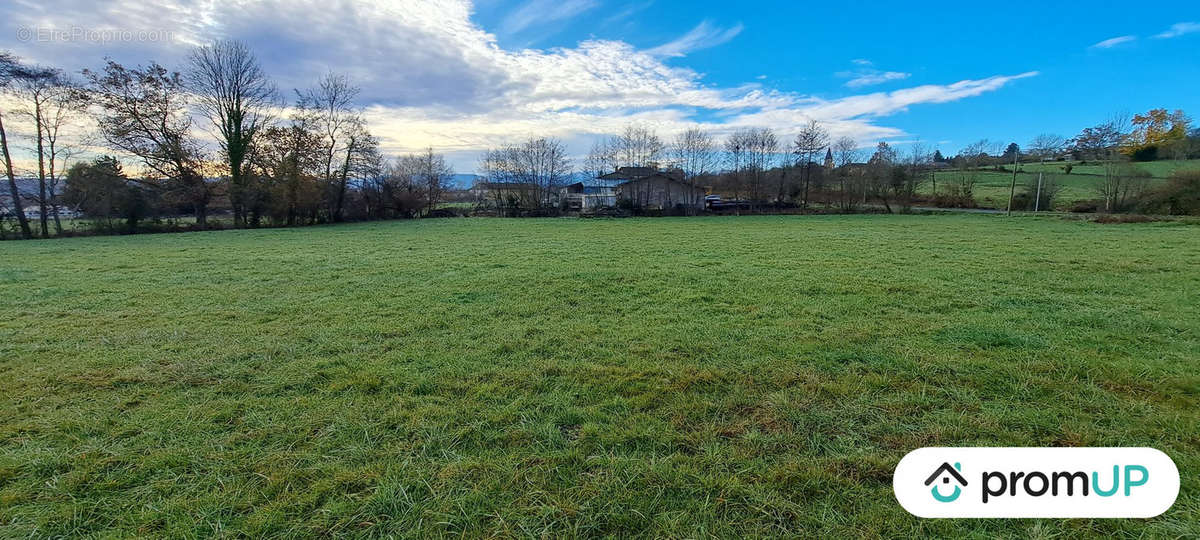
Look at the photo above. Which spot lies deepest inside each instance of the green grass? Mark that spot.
(1157, 169)
(669, 377)
(993, 188)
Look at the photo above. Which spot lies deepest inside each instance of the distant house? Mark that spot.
(625, 174)
(662, 190)
(645, 187)
(590, 195)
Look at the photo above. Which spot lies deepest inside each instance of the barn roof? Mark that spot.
(628, 173)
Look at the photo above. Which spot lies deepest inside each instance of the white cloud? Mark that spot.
(431, 76)
(704, 36)
(1113, 42)
(629, 11)
(1179, 29)
(876, 77)
(544, 12)
(867, 75)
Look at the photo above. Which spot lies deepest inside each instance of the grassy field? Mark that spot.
(669, 377)
(993, 188)
(1157, 169)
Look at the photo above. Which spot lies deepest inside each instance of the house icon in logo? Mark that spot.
(946, 473)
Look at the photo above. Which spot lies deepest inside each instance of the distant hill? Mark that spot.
(464, 181)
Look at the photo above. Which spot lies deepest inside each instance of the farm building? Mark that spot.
(661, 190)
(646, 187)
(590, 195)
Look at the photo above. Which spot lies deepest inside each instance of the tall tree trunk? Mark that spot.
(12, 184)
(54, 206)
(237, 191)
(341, 195)
(807, 176)
(54, 191)
(235, 200)
(41, 151)
(290, 220)
(201, 210)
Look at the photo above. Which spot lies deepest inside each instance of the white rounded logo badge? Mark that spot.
(1036, 482)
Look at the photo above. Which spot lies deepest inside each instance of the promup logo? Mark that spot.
(1036, 482)
(946, 473)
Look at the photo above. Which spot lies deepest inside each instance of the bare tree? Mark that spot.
(66, 106)
(972, 157)
(978, 153)
(737, 148)
(762, 155)
(51, 101)
(916, 163)
(357, 154)
(329, 109)
(536, 169)
(639, 146)
(237, 97)
(882, 173)
(143, 112)
(547, 165)
(434, 174)
(500, 171)
(1103, 141)
(602, 159)
(749, 154)
(1046, 145)
(1122, 185)
(695, 153)
(11, 70)
(36, 91)
(405, 185)
(845, 154)
(291, 159)
(809, 143)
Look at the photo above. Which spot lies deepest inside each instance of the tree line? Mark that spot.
(312, 159)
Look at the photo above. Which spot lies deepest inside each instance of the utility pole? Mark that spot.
(1012, 192)
(1037, 203)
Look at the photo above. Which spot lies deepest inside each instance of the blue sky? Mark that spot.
(813, 47)
(464, 75)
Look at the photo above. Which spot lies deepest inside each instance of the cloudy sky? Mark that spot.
(462, 75)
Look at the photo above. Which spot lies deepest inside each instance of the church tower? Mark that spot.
(829, 159)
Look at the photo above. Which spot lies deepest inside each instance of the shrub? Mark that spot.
(1124, 218)
(1025, 199)
(450, 212)
(1085, 207)
(953, 200)
(1179, 196)
(1145, 153)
